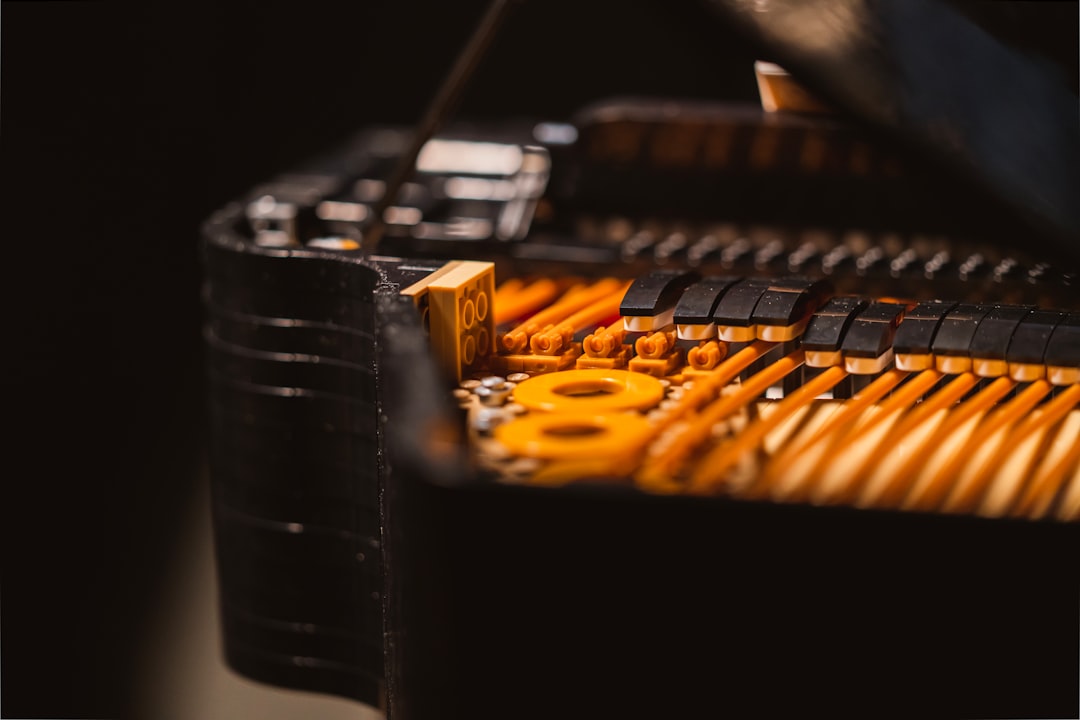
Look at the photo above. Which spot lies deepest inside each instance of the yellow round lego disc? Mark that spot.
(566, 436)
(590, 391)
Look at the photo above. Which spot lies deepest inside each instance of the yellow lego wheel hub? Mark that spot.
(550, 436)
(590, 391)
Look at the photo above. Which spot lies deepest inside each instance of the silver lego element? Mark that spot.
(268, 214)
(552, 133)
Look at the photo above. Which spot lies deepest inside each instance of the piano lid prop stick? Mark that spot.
(441, 107)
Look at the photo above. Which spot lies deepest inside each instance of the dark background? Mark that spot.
(122, 128)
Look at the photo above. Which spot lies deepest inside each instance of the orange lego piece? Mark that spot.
(656, 345)
(706, 355)
(604, 342)
(658, 367)
(577, 298)
(535, 363)
(551, 339)
(615, 360)
(657, 353)
(605, 349)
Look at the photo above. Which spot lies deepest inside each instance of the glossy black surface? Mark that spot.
(1029, 341)
(916, 334)
(697, 303)
(1063, 348)
(736, 307)
(656, 293)
(927, 76)
(789, 300)
(871, 333)
(828, 326)
(958, 327)
(992, 336)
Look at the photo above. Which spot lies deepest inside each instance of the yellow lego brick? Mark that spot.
(461, 321)
(420, 287)
(418, 291)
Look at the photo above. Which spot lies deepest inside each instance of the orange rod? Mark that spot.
(671, 458)
(553, 338)
(602, 309)
(1040, 493)
(1053, 412)
(847, 413)
(900, 482)
(705, 388)
(573, 300)
(711, 469)
(966, 498)
(577, 297)
(514, 300)
(911, 391)
(944, 398)
(931, 494)
(865, 398)
(903, 398)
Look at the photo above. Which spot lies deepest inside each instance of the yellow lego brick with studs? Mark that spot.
(461, 319)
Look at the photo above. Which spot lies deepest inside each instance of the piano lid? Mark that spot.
(922, 74)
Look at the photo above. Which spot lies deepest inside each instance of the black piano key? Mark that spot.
(698, 302)
(827, 327)
(790, 300)
(992, 336)
(871, 334)
(1032, 336)
(736, 307)
(1063, 348)
(655, 294)
(915, 336)
(958, 328)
